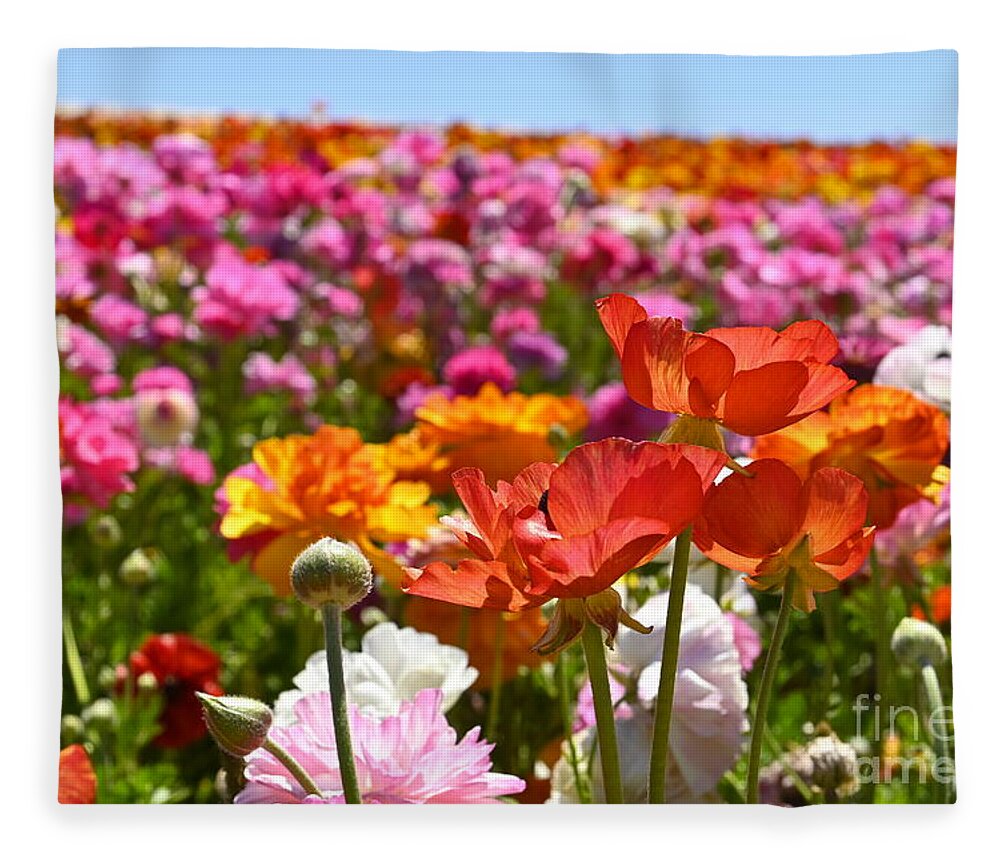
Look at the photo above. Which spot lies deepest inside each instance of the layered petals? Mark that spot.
(307, 487)
(887, 437)
(771, 525)
(753, 380)
(569, 531)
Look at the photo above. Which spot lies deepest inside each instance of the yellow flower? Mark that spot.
(330, 484)
(496, 432)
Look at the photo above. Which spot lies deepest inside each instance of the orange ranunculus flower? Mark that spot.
(77, 780)
(302, 488)
(890, 439)
(570, 531)
(770, 524)
(749, 380)
(475, 630)
(499, 434)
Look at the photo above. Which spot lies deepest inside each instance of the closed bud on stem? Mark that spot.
(918, 644)
(139, 568)
(239, 725)
(100, 715)
(330, 571)
(105, 532)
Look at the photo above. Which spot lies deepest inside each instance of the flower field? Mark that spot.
(454, 466)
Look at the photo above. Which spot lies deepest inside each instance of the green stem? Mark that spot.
(597, 667)
(565, 706)
(332, 620)
(764, 691)
(935, 708)
(496, 680)
(668, 671)
(293, 767)
(74, 663)
(881, 633)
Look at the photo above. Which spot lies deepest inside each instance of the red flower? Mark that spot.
(182, 667)
(750, 380)
(770, 524)
(77, 780)
(570, 531)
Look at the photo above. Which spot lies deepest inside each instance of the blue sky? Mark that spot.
(829, 99)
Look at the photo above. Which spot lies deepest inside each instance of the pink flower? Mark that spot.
(118, 319)
(413, 757)
(746, 640)
(263, 373)
(83, 352)
(96, 457)
(514, 321)
(242, 299)
(467, 371)
(195, 465)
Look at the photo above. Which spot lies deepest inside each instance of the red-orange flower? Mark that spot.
(770, 524)
(890, 439)
(77, 780)
(750, 380)
(570, 531)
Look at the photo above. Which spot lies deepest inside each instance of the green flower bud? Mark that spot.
(330, 571)
(71, 729)
(100, 714)
(147, 683)
(105, 531)
(918, 643)
(239, 725)
(139, 568)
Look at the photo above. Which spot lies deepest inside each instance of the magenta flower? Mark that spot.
(242, 299)
(467, 371)
(413, 757)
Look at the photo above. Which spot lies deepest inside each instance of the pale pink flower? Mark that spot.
(412, 757)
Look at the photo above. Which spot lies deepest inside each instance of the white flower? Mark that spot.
(392, 667)
(710, 697)
(635, 740)
(921, 365)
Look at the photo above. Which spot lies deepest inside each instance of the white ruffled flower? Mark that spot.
(394, 664)
(921, 365)
(710, 697)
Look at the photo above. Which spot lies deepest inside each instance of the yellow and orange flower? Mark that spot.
(301, 488)
(890, 439)
(498, 433)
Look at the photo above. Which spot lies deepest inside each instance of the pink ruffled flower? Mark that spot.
(413, 757)
(96, 457)
(467, 371)
(119, 320)
(242, 299)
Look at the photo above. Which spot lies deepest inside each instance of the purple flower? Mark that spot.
(614, 413)
(537, 350)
